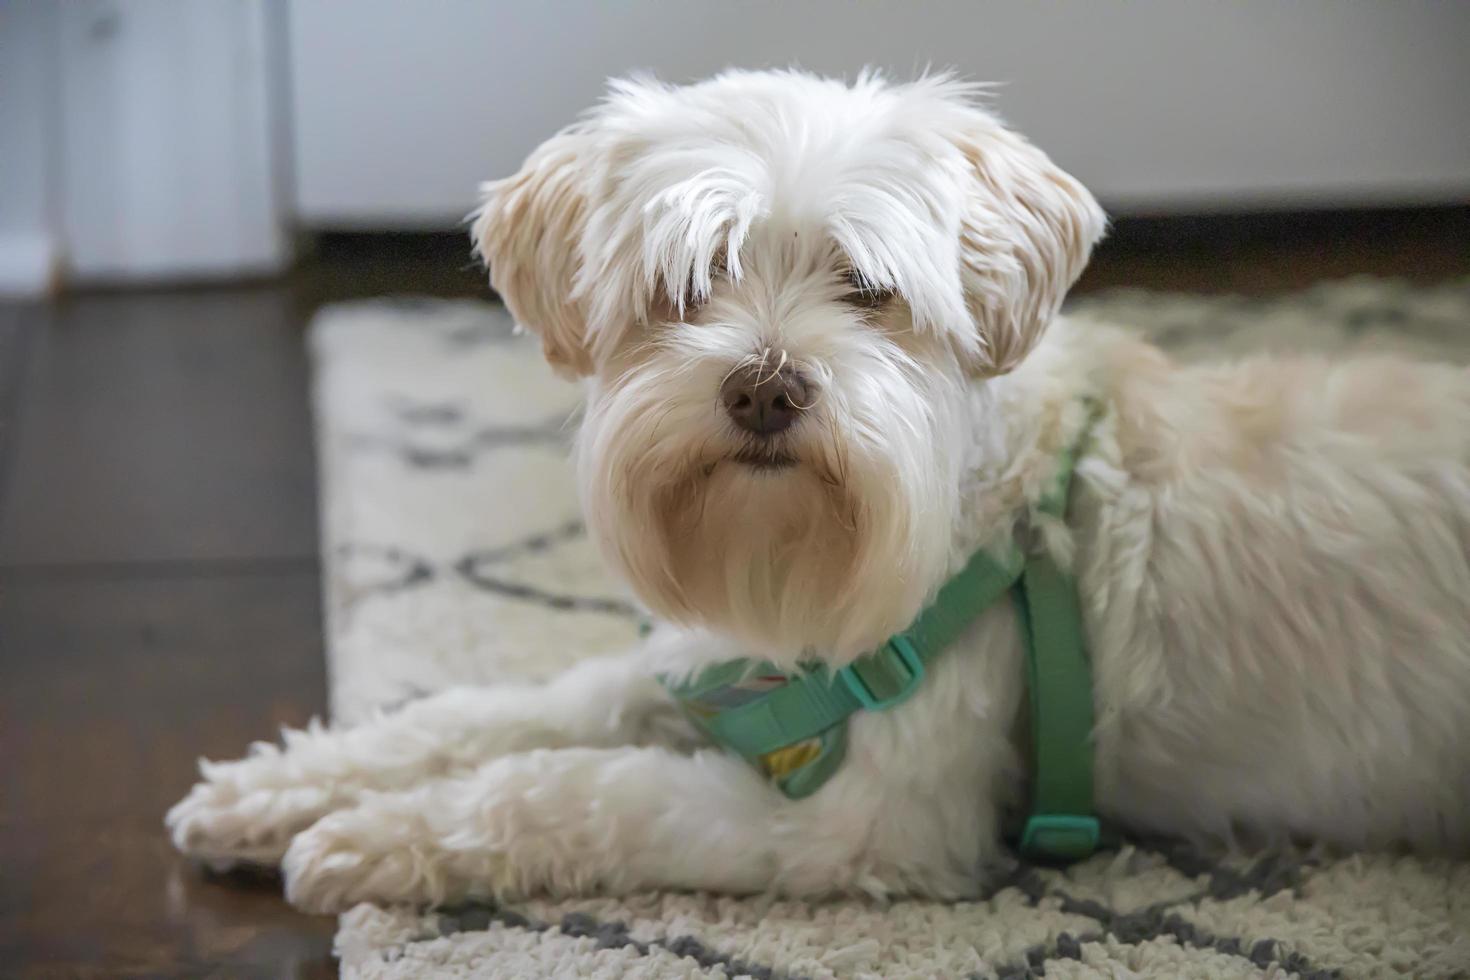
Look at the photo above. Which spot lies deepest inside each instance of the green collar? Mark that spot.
(793, 725)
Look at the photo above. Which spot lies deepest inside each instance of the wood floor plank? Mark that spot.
(164, 426)
(109, 692)
(19, 324)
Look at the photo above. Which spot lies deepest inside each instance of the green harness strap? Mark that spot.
(813, 701)
(793, 725)
(1061, 824)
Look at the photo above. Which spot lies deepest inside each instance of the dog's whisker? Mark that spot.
(816, 398)
(765, 356)
(659, 420)
(731, 373)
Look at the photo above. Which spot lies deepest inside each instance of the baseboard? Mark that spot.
(1328, 226)
(1127, 232)
(30, 264)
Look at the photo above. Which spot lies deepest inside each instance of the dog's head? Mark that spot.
(784, 289)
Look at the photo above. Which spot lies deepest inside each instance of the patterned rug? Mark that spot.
(455, 554)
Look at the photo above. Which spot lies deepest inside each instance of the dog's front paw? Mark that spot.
(384, 854)
(239, 814)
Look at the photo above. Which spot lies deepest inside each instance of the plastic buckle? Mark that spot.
(1060, 836)
(907, 656)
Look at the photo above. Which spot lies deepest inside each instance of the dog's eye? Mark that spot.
(692, 303)
(716, 273)
(864, 294)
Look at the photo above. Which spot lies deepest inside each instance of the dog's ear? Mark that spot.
(528, 231)
(1027, 230)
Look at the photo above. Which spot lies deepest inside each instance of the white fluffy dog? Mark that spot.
(818, 323)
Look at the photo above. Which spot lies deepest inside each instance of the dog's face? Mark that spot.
(786, 291)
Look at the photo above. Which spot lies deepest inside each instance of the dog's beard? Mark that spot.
(821, 543)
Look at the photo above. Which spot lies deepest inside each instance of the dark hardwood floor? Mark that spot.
(158, 575)
(158, 602)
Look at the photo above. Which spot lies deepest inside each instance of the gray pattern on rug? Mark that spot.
(455, 554)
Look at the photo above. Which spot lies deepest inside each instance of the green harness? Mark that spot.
(792, 726)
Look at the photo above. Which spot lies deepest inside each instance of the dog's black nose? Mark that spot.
(763, 400)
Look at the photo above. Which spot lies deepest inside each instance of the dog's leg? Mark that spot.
(248, 810)
(609, 820)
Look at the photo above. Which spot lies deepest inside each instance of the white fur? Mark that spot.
(1273, 556)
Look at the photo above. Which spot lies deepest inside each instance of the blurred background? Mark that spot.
(153, 141)
(182, 184)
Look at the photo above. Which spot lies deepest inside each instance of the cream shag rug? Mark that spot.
(455, 554)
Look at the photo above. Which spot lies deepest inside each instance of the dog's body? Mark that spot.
(1273, 557)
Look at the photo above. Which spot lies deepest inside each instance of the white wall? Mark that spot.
(166, 129)
(29, 244)
(1158, 104)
